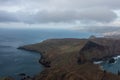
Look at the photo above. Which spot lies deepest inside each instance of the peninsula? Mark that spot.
(72, 59)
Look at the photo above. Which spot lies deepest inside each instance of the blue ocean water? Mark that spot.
(112, 67)
(14, 61)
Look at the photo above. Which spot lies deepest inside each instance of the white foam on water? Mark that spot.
(97, 62)
(117, 57)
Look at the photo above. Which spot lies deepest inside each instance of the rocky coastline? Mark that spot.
(72, 59)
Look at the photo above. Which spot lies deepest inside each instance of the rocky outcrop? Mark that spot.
(93, 52)
(112, 60)
(44, 62)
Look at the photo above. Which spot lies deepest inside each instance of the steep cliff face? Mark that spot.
(92, 52)
(61, 57)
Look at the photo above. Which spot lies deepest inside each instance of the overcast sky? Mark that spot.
(68, 14)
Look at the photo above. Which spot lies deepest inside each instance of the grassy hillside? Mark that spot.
(71, 59)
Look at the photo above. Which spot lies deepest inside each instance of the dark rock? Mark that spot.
(112, 60)
(22, 74)
(28, 77)
(90, 45)
(118, 73)
(92, 51)
(45, 62)
(80, 61)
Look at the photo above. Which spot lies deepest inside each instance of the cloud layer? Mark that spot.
(54, 11)
(99, 16)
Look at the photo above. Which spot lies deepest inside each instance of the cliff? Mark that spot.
(71, 59)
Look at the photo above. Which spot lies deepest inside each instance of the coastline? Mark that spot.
(58, 53)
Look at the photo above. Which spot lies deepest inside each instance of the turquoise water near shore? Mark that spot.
(14, 61)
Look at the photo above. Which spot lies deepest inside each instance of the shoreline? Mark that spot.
(97, 61)
(61, 55)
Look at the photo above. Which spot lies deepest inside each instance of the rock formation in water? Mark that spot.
(112, 60)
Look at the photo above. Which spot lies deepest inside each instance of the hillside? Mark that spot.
(72, 59)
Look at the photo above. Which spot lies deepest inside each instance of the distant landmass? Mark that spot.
(73, 59)
(115, 36)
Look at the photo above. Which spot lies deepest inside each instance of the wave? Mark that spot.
(117, 57)
(98, 62)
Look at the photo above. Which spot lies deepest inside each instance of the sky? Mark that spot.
(101, 16)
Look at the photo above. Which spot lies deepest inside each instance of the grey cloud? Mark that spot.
(98, 15)
(61, 11)
(87, 15)
(112, 4)
(7, 17)
(8, 2)
(79, 4)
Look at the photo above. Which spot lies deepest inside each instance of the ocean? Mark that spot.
(112, 67)
(14, 61)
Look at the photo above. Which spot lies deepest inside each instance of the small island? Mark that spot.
(73, 59)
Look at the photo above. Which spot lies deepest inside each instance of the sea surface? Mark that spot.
(14, 61)
(112, 67)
